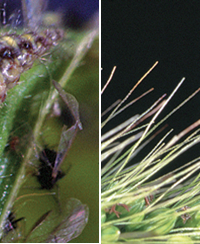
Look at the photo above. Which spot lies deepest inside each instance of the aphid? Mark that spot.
(47, 158)
(11, 223)
(185, 216)
(113, 209)
(148, 200)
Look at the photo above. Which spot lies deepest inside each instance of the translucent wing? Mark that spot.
(67, 137)
(68, 134)
(71, 103)
(71, 225)
(33, 12)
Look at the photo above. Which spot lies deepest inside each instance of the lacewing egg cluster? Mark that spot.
(47, 159)
(18, 52)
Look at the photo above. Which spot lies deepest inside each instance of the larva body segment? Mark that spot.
(18, 52)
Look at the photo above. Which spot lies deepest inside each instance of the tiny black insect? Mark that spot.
(11, 223)
(47, 159)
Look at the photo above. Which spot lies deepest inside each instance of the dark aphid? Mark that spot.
(14, 143)
(11, 223)
(185, 216)
(47, 159)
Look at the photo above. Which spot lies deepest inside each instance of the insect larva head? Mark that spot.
(7, 52)
(27, 45)
(47, 159)
(26, 42)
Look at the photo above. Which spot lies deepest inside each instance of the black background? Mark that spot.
(135, 34)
